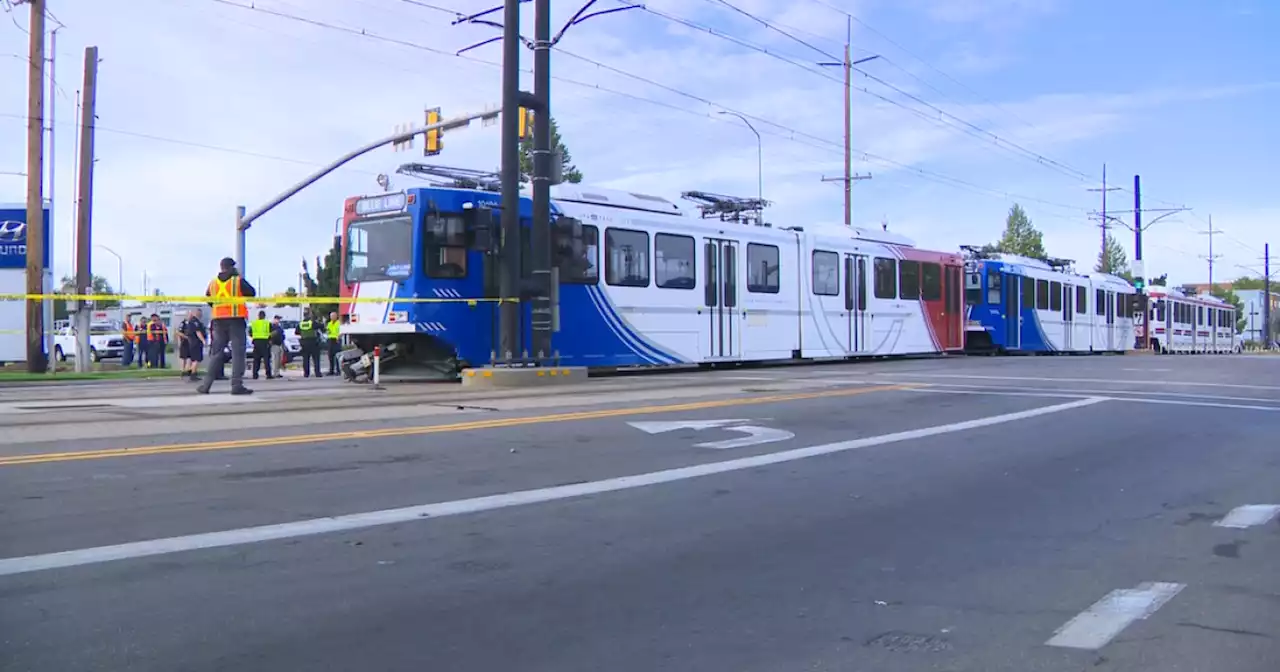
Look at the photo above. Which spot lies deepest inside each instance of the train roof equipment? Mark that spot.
(457, 178)
(614, 198)
(728, 208)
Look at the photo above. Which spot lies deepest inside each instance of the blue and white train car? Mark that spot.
(642, 282)
(1018, 304)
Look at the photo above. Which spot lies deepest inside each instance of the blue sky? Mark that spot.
(204, 106)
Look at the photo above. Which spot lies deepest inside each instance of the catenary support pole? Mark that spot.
(1266, 296)
(36, 362)
(53, 163)
(84, 209)
(540, 236)
(509, 275)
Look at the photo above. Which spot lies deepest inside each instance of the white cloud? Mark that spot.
(222, 76)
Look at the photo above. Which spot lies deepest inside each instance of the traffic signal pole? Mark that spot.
(540, 237)
(244, 221)
(509, 271)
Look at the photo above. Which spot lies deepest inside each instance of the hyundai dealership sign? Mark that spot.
(13, 236)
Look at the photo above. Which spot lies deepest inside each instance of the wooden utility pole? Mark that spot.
(849, 178)
(36, 361)
(84, 208)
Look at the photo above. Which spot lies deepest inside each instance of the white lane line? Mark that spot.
(249, 535)
(1076, 392)
(1100, 623)
(1209, 404)
(1081, 380)
(1249, 516)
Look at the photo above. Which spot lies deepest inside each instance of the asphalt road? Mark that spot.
(975, 515)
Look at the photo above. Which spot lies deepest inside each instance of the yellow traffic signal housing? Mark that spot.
(525, 127)
(435, 141)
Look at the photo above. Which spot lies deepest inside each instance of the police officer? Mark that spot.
(260, 331)
(309, 339)
(228, 325)
(333, 329)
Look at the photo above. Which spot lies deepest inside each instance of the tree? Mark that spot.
(99, 287)
(1020, 237)
(1230, 297)
(288, 293)
(1246, 282)
(1159, 281)
(569, 172)
(327, 280)
(1112, 258)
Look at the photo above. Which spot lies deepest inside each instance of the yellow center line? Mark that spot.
(41, 458)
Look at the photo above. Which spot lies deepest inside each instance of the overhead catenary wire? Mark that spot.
(787, 132)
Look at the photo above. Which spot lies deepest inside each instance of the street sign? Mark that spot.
(13, 236)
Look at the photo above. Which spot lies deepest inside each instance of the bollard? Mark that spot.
(377, 364)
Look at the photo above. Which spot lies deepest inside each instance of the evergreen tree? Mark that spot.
(569, 172)
(99, 286)
(1112, 258)
(1246, 282)
(1160, 281)
(1020, 236)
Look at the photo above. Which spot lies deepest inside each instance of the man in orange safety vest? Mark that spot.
(228, 326)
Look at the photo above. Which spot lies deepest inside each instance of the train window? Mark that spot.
(995, 286)
(909, 280)
(930, 282)
(445, 230)
(626, 257)
(762, 269)
(1028, 293)
(886, 281)
(577, 253)
(379, 249)
(1082, 300)
(1100, 302)
(862, 283)
(1200, 315)
(826, 273)
(973, 288)
(445, 261)
(1159, 314)
(1042, 295)
(1055, 297)
(673, 260)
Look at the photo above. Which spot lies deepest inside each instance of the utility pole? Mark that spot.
(849, 178)
(1106, 222)
(53, 163)
(84, 208)
(1211, 257)
(541, 321)
(1266, 296)
(36, 223)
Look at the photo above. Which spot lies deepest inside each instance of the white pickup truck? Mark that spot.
(105, 342)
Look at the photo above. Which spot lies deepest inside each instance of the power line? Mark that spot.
(789, 133)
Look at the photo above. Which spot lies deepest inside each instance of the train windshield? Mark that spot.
(379, 249)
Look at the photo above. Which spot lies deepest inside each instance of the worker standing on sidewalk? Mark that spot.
(126, 357)
(260, 331)
(333, 329)
(141, 343)
(277, 347)
(309, 339)
(228, 292)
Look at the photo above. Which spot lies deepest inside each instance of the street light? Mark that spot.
(120, 266)
(759, 160)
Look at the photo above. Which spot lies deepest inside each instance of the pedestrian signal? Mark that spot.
(434, 142)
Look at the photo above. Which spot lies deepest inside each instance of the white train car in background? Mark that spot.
(1183, 324)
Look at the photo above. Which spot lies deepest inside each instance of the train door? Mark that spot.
(1012, 310)
(1111, 320)
(721, 298)
(954, 307)
(1068, 317)
(855, 300)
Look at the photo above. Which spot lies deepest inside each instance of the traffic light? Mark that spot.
(526, 124)
(435, 141)
(1139, 283)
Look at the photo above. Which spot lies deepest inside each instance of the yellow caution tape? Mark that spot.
(251, 300)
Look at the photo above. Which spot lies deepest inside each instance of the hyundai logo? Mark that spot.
(13, 232)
